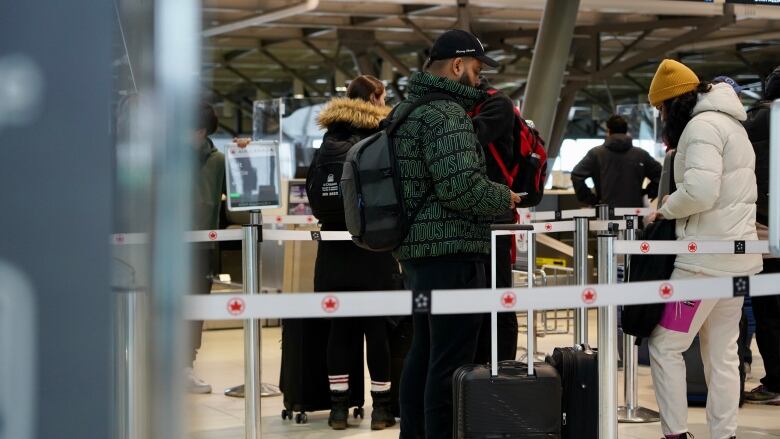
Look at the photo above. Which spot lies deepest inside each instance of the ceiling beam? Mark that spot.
(330, 61)
(388, 56)
(294, 73)
(696, 34)
(266, 17)
(246, 79)
(630, 46)
(417, 30)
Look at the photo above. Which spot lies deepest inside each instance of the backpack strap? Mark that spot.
(426, 99)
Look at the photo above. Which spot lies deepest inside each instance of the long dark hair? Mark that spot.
(679, 112)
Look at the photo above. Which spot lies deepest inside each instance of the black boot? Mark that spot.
(382, 415)
(339, 410)
(680, 436)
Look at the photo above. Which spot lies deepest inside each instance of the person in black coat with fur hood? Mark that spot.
(343, 266)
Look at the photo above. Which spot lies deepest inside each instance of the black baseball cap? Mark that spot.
(457, 43)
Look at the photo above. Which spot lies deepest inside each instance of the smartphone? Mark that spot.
(523, 194)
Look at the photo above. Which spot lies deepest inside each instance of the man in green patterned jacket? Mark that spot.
(442, 166)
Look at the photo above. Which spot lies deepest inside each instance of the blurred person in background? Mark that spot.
(618, 170)
(766, 309)
(209, 186)
(715, 200)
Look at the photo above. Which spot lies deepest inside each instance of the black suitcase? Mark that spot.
(578, 368)
(508, 402)
(304, 372)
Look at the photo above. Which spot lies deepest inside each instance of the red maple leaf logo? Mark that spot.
(236, 306)
(638, 211)
(119, 238)
(644, 247)
(278, 219)
(548, 227)
(528, 215)
(309, 219)
(692, 247)
(666, 290)
(589, 295)
(213, 235)
(330, 304)
(508, 299)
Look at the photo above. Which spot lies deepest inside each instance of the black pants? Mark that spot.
(200, 282)
(507, 321)
(440, 344)
(766, 311)
(377, 346)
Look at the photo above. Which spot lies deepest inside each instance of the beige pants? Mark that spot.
(717, 323)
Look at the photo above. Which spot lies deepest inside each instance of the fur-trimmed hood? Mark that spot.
(356, 112)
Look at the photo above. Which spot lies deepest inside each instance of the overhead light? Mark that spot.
(322, 81)
(341, 89)
(298, 96)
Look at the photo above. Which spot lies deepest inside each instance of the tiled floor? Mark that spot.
(220, 362)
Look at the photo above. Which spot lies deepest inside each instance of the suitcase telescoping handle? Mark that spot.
(529, 230)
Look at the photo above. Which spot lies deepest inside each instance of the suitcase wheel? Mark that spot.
(358, 413)
(286, 415)
(301, 418)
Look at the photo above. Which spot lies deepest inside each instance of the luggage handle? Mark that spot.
(529, 230)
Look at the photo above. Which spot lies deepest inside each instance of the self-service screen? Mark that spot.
(253, 176)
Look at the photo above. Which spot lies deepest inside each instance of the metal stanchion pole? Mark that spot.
(130, 361)
(581, 276)
(632, 412)
(252, 340)
(607, 340)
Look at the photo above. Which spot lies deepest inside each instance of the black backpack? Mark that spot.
(322, 185)
(373, 200)
(641, 320)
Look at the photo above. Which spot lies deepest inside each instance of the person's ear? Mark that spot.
(458, 67)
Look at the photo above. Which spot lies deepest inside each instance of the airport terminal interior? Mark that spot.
(109, 109)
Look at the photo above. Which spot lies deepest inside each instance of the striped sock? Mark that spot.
(380, 386)
(339, 383)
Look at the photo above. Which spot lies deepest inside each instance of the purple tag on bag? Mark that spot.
(678, 316)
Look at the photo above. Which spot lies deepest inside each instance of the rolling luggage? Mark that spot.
(578, 368)
(508, 402)
(304, 372)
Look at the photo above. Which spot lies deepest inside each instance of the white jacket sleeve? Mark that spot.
(700, 187)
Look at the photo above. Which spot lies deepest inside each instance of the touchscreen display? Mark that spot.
(253, 176)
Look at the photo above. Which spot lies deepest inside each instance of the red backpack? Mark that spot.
(527, 172)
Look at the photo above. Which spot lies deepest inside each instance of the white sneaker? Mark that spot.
(195, 384)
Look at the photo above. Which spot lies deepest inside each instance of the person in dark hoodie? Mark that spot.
(618, 170)
(343, 266)
(495, 124)
(766, 309)
(442, 173)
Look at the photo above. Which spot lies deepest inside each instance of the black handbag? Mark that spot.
(641, 320)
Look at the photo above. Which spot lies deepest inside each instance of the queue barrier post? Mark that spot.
(631, 411)
(581, 276)
(252, 340)
(607, 338)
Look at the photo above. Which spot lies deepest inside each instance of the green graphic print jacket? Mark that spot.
(436, 146)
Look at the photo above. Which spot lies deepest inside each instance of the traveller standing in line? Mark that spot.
(766, 309)
(715, 199)
(618, 170)
(495, 124)
(343, 266)
(442, 168)
(209, 187)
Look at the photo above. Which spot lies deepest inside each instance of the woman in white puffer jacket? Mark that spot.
(715, 200)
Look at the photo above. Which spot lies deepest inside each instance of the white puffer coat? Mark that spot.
(716, 184)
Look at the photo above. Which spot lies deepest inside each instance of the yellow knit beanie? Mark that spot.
(672, 79)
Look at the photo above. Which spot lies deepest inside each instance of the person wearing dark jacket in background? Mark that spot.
(495, 124)
(766, 309)
(343, 266)
(618, 170)
(209, 187)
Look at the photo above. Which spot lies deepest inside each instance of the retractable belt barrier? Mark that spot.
(316, 235)
(691, 247)
(380, 303)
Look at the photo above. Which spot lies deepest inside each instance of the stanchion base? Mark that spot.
(266, 390)
(639, 415)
